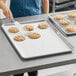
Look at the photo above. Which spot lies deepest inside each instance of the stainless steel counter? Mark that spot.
(10, 63)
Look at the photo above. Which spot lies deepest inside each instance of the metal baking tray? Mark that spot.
(61, 27)
(51, 42)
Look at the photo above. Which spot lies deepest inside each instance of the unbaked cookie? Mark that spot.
(43, 26)
(34, 35)
(19, 38)
(58, 17)
(13, 30)
(64, 22)
(28, 28)
(70, 28)
(72, 14)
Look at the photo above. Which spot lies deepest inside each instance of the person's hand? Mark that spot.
(8, 13)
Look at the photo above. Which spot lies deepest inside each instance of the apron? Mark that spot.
(22, 8)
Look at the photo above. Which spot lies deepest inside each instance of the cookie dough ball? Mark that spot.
(70, 28)
(43, 26)
(19, 38)
(34, 35)
(64, 22)
(28, 28)
(72, 14)
(58, 17)
(13, 30)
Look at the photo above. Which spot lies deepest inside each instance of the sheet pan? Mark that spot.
(50, 43)
(60, 26)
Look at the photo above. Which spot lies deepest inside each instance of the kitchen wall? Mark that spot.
(1, 14)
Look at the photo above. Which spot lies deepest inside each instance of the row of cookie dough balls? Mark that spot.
(31, 35)
(62, 21)
(60, 16)
(28, 28)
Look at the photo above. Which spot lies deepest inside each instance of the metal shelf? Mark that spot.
(54, 6)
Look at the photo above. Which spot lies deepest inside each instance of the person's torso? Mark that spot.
(21, 8)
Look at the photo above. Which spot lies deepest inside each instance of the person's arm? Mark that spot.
(6, 10)
(45, 6)
(2, 4)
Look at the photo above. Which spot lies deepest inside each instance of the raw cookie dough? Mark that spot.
(13, 30)
(58, 17)
(72, 14)
(19, 38)
(28, 28)
(34, 35)
(43, 26)
(70, 28)
(64, 22)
